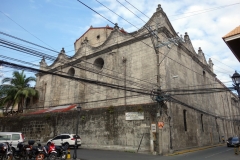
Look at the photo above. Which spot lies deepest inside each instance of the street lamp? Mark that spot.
(75, 147)
(236, 80)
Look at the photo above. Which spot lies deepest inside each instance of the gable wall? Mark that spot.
(138, 60)
(91, 36)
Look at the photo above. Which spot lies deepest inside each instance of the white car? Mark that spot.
(66, 139)
(11, 137)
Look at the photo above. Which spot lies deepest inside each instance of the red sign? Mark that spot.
(160, 125)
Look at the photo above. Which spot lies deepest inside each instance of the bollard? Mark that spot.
(68, 154)
(236, 149)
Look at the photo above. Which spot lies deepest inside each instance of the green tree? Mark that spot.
(16, 91)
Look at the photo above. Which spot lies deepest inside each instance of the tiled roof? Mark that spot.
(54, 109)
(233, 32)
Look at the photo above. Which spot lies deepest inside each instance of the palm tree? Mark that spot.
(16, 91)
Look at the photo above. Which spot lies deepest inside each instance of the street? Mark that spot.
(216, 153)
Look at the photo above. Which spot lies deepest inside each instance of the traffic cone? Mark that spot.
(68, 154)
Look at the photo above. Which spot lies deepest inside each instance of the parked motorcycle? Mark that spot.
(50, 151)
(29, 149)
(62, 151)
(6, 151)
(25, 151)
(20, 152)
(39, 151)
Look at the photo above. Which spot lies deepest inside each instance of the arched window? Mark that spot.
(71, 72)
(98, 63)
(204, 73)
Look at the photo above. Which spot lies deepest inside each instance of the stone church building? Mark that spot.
(117, 70)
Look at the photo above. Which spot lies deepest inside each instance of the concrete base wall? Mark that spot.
(107, 128)
(98, 128)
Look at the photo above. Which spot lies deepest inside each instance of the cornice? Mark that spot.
(194, 57)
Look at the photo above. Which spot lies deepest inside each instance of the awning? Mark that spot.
(232, 39)
(53, 109)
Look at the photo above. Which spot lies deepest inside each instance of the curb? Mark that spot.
(194, 150)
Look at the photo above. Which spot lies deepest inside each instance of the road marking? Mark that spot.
(218, 153)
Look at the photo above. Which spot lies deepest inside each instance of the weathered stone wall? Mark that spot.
(129, 60)
(97, 127)
(108, 128)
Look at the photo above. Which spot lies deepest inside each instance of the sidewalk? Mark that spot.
(117, 148)
(195, 149)
(146, 151)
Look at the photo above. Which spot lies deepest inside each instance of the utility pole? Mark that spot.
(153, 37)
(161, 136)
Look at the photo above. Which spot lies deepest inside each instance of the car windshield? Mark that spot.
(235, 138)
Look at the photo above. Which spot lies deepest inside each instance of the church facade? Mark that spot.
(114, 68)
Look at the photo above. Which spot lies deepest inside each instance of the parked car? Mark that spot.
(68, 140)
(232, 141)
(11, 137)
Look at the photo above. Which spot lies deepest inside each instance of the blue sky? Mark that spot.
(55, 24)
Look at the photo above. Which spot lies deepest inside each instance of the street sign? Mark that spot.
(153, 128)
(160, 125)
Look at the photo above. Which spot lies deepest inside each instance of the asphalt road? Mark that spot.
(216, 153)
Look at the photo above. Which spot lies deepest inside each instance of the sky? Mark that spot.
(59, 23)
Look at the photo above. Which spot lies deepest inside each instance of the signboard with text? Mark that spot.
(153, 128)
(134, 116)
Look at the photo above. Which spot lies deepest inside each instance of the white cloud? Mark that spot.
(206, 22)
(53, 21)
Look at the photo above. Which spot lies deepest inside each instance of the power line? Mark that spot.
(114, 86)
(130, 11)
(219, 7)
(24, 62)
(169, 57)
(27, 41)
(60, 71)
(30, 42)
(149, 17)
(41, 55)
(25, 29)
(53, 58)
(205, 11)
(137, 9)
(95, 12)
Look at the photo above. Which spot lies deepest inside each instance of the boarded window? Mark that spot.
(185, 119)
(202, 122)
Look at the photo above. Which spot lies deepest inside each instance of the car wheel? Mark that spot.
(228, 145)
